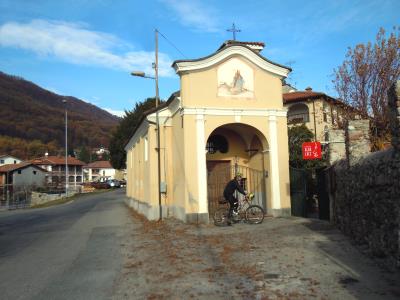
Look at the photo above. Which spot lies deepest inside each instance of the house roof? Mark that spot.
(57, 160)
(101, 164)
(304, 95)
(14, 167)
(260, 45)
(308, 94)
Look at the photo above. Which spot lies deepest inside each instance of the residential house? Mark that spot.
(318, 111)
(22, 174)
(8, 159)
(55, 165)
(98, 171)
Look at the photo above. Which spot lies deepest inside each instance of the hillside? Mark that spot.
(29, 112)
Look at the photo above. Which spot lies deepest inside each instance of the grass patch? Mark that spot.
(68, 199)
(55, 202)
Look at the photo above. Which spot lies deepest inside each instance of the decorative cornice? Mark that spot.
(234, 112)
(140, 131)
(192, 65)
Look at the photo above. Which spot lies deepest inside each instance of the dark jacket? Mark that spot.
(231, 187)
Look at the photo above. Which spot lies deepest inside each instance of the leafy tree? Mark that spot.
(124, 131)
(362, 81)
(297, 136)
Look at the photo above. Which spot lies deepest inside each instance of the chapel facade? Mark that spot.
(228, 117)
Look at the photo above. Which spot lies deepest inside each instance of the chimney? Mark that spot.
(308, 89)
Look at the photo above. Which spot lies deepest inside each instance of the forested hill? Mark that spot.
(29, 112)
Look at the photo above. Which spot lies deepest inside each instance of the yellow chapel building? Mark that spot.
(228, 117)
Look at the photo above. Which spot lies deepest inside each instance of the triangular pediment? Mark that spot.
(183, 66)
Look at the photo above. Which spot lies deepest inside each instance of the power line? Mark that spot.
(172, 44)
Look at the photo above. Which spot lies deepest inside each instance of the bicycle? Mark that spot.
(251, 213)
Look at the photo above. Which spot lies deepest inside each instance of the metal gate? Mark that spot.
(298, 192)
(323, 176)
(13, 197)
(219, 174)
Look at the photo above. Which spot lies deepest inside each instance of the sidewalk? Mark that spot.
(283, 258)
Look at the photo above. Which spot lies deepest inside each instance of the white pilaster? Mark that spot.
(274, 158)
(201, 164)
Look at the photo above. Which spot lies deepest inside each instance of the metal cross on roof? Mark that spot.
(233, 30)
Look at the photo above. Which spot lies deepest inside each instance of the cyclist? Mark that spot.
(230, 188)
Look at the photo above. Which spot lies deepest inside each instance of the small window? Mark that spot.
(1, 161)
(15, 162)
(19, 172)
(34, 172)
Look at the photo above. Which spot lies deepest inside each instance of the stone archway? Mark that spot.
(233, 148)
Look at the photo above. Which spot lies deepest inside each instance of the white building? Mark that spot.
(8, 160)
(99, 171)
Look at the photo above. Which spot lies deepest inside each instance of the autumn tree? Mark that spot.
(365, 76)
(124, 132)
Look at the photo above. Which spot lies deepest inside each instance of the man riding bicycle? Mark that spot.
(230, 188)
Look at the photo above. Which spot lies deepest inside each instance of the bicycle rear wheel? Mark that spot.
(254, 214)
(221, 217)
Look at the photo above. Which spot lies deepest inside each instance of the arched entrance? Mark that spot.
(231, 149)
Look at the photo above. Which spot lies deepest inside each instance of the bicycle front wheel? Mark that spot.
(254, 214)
(221, 217)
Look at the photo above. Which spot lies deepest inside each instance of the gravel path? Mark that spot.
(287, 258)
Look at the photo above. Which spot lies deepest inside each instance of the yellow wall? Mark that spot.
(200, 89)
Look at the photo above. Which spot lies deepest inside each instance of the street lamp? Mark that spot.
(66, 148)
(155, 78)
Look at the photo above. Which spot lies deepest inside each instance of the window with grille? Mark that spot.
(217, 143)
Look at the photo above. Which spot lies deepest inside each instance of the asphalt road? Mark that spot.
(70, 251)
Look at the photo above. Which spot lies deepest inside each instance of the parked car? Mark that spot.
(122, 183)
(114, 183)
(100, 185)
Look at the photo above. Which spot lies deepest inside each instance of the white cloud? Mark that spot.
(73, 43)
(118, 113)
(192, 13)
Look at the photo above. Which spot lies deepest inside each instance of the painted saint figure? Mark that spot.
(237, 84)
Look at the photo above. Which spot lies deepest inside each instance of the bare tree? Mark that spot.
(365, 76)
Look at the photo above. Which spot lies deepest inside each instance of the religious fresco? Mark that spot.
(235, 79)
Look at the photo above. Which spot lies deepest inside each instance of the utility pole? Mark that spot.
(66, 148)
(158, 126)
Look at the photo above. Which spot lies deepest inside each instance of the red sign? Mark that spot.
(312, 150)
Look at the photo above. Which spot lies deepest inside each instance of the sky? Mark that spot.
(87, 48)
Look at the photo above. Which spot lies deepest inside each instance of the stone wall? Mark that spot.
(366, 203)
(42, 198)
(364, 189)
(337, 147)
(358, 144)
